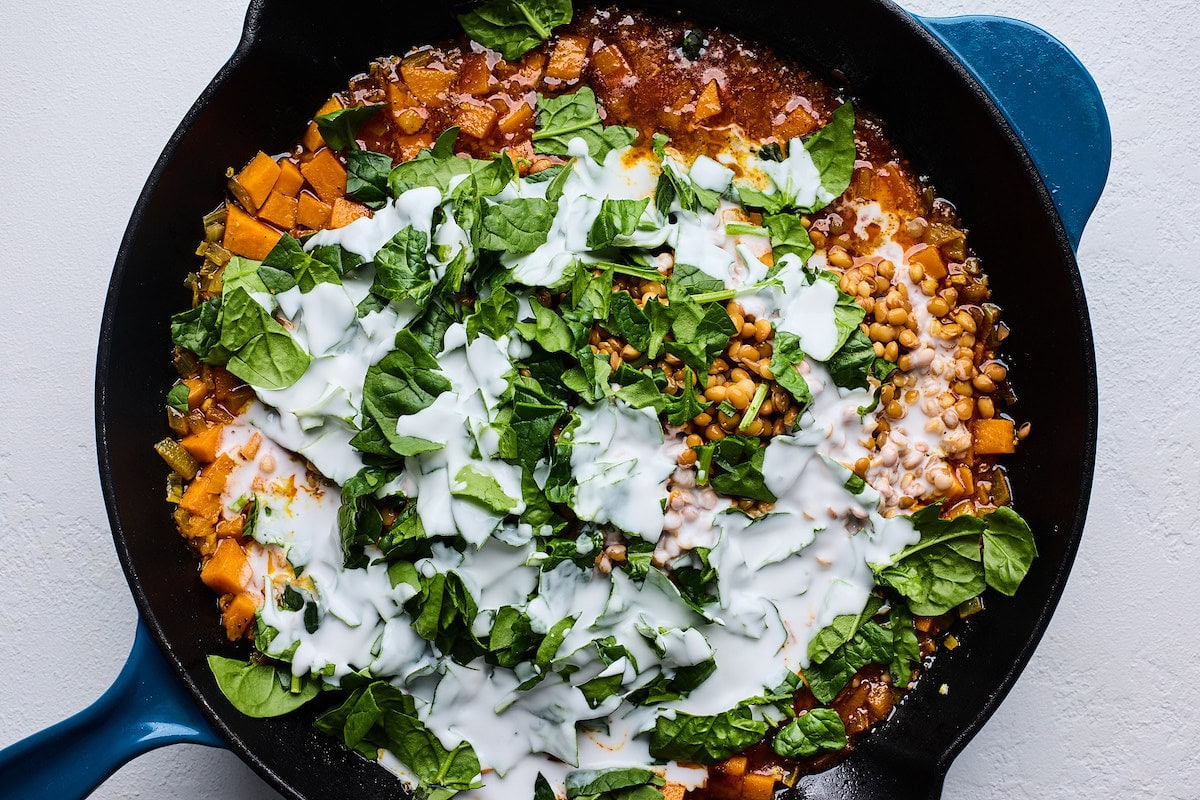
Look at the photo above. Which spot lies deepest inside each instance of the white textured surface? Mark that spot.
(88, 96)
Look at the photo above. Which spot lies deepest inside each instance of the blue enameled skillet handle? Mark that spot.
(146, 707)
(1050, 100)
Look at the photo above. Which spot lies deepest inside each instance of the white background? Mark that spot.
(90, 92)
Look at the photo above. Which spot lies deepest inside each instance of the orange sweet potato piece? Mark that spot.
(994, 436)
(228, 571)
(279, 210)
(199, 502)
(758, 787)
(290, 180)
(231, 527)
(474, 77)
(674, 791)
(326, 174)
(203, 446)
(246, 236)
(798, 123)
(346, 211)
(476, 120)
(517, 118)
(196, 527)
(428, 84)
(709, 103)
(239, 614)
(311, 212)
(258, 177)
(568, 58)
(196, 391)
(929, 258)
(734, 766)
(312, 139)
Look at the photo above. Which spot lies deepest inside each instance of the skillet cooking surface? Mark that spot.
(292, 56)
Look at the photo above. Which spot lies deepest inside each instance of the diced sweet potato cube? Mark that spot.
(519, 117)
(674, 791)
(239, 614)
(228, 571)
(279, 210)
(215, 474)
(610, 63)
(476, 120)
(311, 212)
(326, 175)
(568, 58)
(929, 258)
(196, 527)
(474, 77)
(994, 436)
(290, 180)
(246, 236)
(734, 766)
(797, 123)
(258, 178)
(411, 120)
(197, 389)
(199, 502)
(231, 527)
(312, 139)
(428, 84)
(399, 97)
(346, 211)
(203, 446)
(758, 787)
(709, 103)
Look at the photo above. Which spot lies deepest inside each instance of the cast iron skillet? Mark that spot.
(971, 140)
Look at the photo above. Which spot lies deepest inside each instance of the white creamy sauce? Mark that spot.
(781, 577)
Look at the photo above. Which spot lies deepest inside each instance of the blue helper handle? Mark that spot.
(1050, 100)
(146, 707)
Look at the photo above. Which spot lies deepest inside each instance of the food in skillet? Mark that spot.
(606, 413)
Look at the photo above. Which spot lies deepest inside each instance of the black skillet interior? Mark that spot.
(296, 53)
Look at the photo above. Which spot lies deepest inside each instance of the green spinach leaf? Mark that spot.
(514, 27)
(817, 731)
(401, 271)
(367, 177)
(563, 118)
(260, 690)
(706, 739)
(339, 128)
(517, 226)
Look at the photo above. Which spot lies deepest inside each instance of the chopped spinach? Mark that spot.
(514, 27)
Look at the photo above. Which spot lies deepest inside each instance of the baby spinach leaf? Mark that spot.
(514, 27)
(671, 187)
(692, 45)
(177, 398)
(443, 613)
(944, 568)
(473, 484)
(706, 739)
(785, 361)
(871, 644)
(495, 315)
(549, 330)
(852, 365)
(401, 271)
(841, 630)
(259, 690)
(833, 151)
(404, 381)
(592, 293)
(741, 459)
(264, 353)
(380, 716)
(533, 425)
(616, 218)
(433, 166)
(563, 118)
(906, 650)
(817, 731)
(512, 640)
(359, 521)
(701, 333)
(632, 324)
(199, 330)
(688, 403)
(687, 280)
(788, 237)
(339, 128)
(1008, 550)
(599, 783)
(241, 273)
(288, 256)
(517, 226)
(541, 789)
(367, 176)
